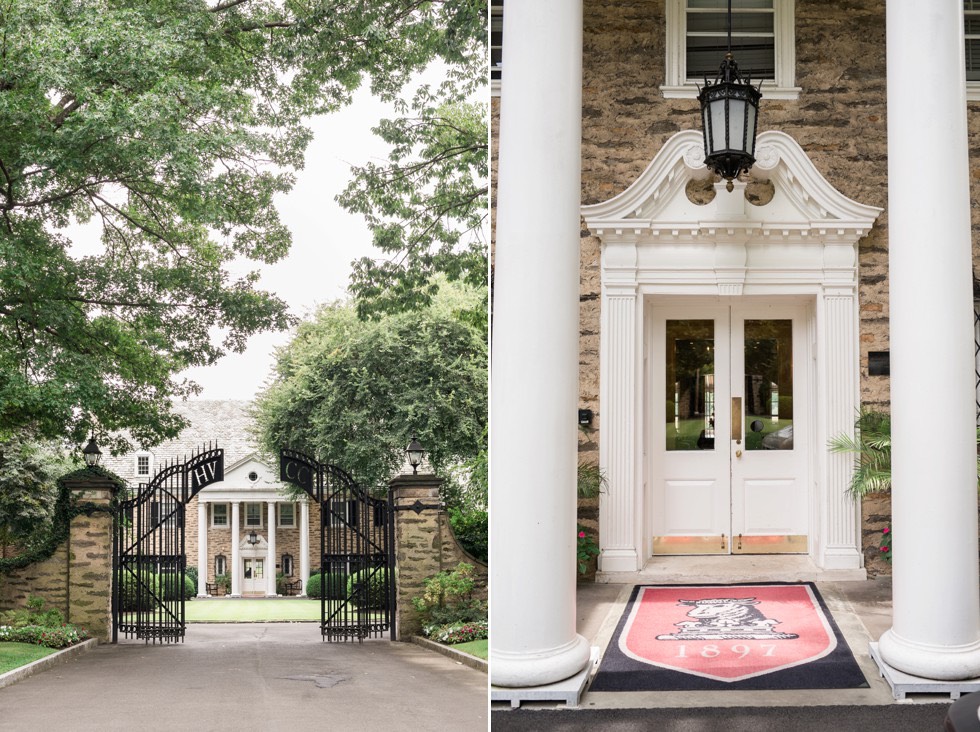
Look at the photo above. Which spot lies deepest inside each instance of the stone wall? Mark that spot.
(424, 546)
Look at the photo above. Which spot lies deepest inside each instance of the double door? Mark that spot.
(728, 440)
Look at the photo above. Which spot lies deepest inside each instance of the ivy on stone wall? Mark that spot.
(65, 510)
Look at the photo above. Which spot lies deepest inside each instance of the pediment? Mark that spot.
(804, 204)
(250, 474)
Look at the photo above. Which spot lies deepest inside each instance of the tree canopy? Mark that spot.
(352, 392)
(172, 123)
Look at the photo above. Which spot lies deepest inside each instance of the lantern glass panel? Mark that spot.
(750, 127)
(717, 125)
(736, 124)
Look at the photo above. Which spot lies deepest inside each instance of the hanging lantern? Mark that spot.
(729, 111)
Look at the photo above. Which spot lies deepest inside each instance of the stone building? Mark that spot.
(244, 527)
(720, 337)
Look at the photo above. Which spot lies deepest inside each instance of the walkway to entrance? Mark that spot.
(250, 677)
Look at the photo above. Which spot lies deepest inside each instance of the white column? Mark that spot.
(535, 349)
(935, 629)
(270, 571)
(304, 543)
(236, 555)
(202, 548)
(839, 545)
(619, 515)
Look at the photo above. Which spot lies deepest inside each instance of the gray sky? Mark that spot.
(326, 239)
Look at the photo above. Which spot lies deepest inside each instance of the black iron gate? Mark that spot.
(149, 552)
(357, 560)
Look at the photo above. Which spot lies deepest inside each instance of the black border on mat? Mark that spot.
(619, 672)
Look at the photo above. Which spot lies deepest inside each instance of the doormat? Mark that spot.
(741, 637)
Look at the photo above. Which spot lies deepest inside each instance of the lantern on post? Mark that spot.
(91, 453)
(729, 113)
(414, 451)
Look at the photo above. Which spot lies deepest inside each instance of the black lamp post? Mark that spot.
(91, 453)
(414, 452)
(729, 112)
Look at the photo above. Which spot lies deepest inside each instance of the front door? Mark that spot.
(253, 575)
(728, 452)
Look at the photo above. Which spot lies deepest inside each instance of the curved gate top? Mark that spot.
(357, 559)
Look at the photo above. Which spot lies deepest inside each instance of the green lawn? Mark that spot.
(244, 610)
(15, 655)
(474, 648)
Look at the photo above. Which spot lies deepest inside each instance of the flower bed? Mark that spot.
(41, 635)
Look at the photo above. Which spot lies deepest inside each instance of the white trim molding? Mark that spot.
(803, 244)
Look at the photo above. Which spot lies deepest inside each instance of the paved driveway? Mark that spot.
(276, 676)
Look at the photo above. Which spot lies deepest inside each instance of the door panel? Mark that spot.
(728, 459)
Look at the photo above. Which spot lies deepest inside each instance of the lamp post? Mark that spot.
(91, 453)
(729, 113)
(414, 451)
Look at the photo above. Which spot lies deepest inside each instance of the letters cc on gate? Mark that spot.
(296, 472)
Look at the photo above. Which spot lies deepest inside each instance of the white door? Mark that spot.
(253, 575)
(728, 422)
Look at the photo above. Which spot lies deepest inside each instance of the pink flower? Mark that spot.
(885, 530)
(581, 535)
(884, 548)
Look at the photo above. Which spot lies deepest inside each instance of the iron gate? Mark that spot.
(357, 560)
(149, 551)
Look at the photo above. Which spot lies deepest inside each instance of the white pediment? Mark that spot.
(248, 479)
(804, 205)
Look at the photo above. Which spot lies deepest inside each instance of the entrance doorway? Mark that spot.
(253, 576)
(729, 435)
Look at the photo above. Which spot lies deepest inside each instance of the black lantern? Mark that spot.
(253, 538)
(414, 452)
(729, 112)
(91, 453)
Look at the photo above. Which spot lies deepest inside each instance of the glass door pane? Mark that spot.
(690, 385)
(768, 385)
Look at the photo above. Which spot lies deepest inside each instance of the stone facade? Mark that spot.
(838, 118)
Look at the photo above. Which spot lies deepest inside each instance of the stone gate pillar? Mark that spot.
(418, 544)
(90, 552)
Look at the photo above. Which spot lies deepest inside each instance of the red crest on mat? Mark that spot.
(727, 633)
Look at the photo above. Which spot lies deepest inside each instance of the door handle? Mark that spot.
(738, 453)
(737, 420)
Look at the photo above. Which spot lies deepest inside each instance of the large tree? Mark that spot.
(353, 392)
(172, 123)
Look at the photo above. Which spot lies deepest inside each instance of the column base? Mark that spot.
(541, 667)
(927, 661)
(619, 560)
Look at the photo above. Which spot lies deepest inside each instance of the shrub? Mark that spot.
(33, 614)
(375, 595)
(169, 584)
(333, 584)
(470, 528)
(224, 582)
(453, 633)
(191, 572)
(448, 599)
(60, 636)
(135, 593)
(190, 587)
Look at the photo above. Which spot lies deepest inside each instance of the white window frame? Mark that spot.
(972, 87)
(224, 561)
(677, 86)
(227, 523)
(496, 11)
(149, 464)
(249, 525)
(292, 519)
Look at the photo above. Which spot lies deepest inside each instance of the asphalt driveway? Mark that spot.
(277, 676)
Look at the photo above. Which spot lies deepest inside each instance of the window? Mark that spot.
(763, 42)
(220, 565)
(380, 514)
(287, 514)
(219, 514)
(144, 464)
(287, 565)
(971, 26)
(343, 513)
(166, 512)
(253, 515)
(496, 44)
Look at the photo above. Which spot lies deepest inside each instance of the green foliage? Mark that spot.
(28, 491)
(885, 546)
(368, 588)
(472, 531)
(33, 614)
(353, 392)
(459, 632)
(191, 574)
(60, 636)
(190, 587)
(586, 547)
(137, 589)
(223, 581)
(333, 584)
(448, 599)
(872, 449)
(591, 480)
(172, 126)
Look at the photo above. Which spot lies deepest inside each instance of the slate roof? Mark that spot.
(225, 421)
